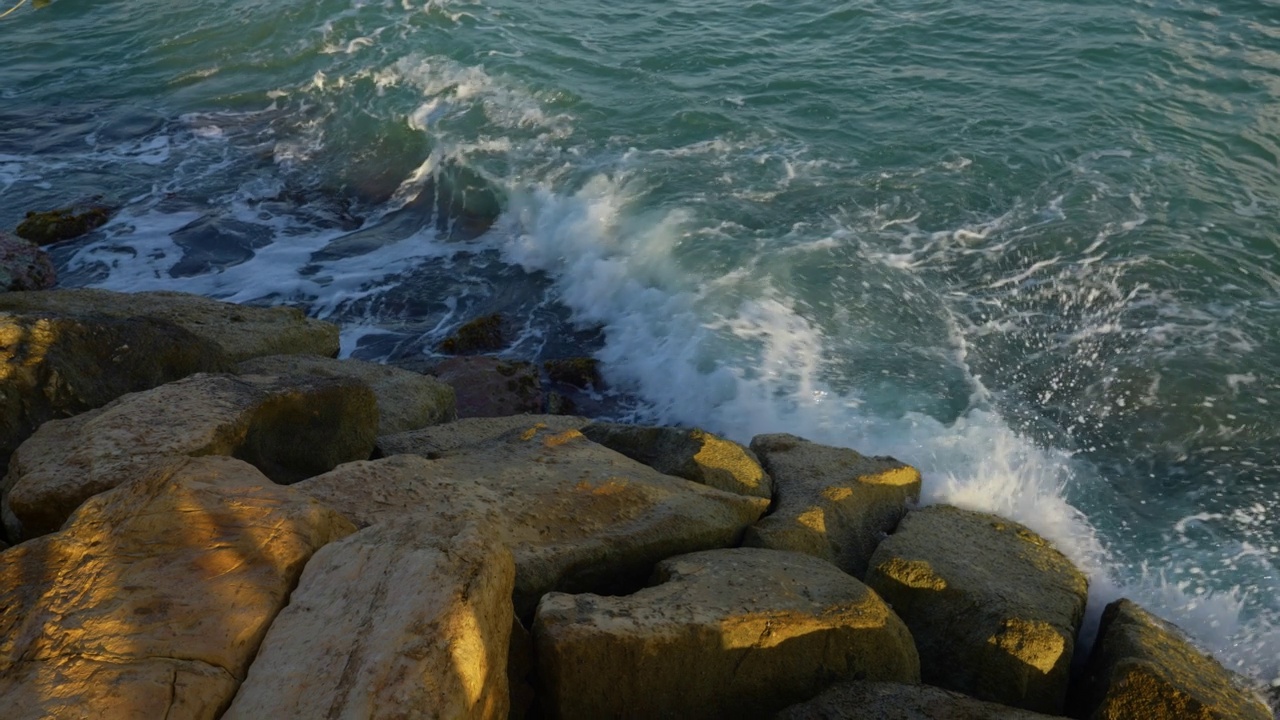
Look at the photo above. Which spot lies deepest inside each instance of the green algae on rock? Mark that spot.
(580, 372)
(479, 335)
(51, 226)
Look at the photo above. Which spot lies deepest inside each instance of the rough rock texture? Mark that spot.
(392, 622)
(489, 387)
(691, 454)
(290, 428)
(484, 334)
(54, 366)
(832, 503)
(23, 265)
(152, 602)
(1144, 667)
(406, 400)
(577, 516)
(726, 634)
(50, 226)
(993, 607)
(243, 331)
(898, 701)
(469, 434)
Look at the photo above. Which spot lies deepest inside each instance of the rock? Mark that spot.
(484, 334)
(735, 633)
(390, 622)
(832, 502)
(469, 434)
(993, 607)
(691, 454)
(51, 226)
(489, 387)
(580, 372)
(406, 400)
(577, 516)
(23, 265)
(1144, 667)
(54, 366)
(885, 700)
(243, 331)
(153, 600)
(290, 428)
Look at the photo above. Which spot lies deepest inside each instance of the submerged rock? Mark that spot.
(833, 503)
(406, 400)
(721, 634)
(51, 226)
(576, 515)
(242, 331)
(483, 334)
(883, 700)
(1144, 667)
(24, 266)
(694, 455)
(392, 622)
(993, 607)
(153, 600)
(290, 428)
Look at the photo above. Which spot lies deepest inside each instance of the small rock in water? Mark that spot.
(580, 372)
(51, 226)
(484, 334)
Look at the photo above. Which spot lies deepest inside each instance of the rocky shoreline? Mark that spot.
(210, 516)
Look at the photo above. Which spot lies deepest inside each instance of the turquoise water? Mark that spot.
(1029, 247)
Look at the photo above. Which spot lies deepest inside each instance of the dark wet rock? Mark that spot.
(1144, 667)
(23, 265)
(580, 372)
(213, 242)
(490, 387)
(51, 226)
(484, 334)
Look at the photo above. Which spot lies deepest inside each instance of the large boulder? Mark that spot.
(692, 454)
(290, 428)
(23, 265)
(153, 600)
(865, 700)
(392, 622)
(492, 387)
(406, 400)
(737, 633)
(55, 366)
(469, 434)
(832, 503)
(242, 331)
(994, 608)
(1144, 667)
(577, 516)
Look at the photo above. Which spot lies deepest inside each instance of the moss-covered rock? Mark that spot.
(484, 334)
(51, 226)
(580, 372)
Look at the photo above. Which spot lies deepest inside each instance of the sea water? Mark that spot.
(1029, 247)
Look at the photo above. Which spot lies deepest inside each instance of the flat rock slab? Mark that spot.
(391, 622)
(737, 633)
(1144, 667)
(153, 600)
(54, 365)
(242, 331)
(290, 428)
(898, 701)
(692, 454)
(406, 400)
(577, 516)
(469, 434)
(994, 608)
(833, 503)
